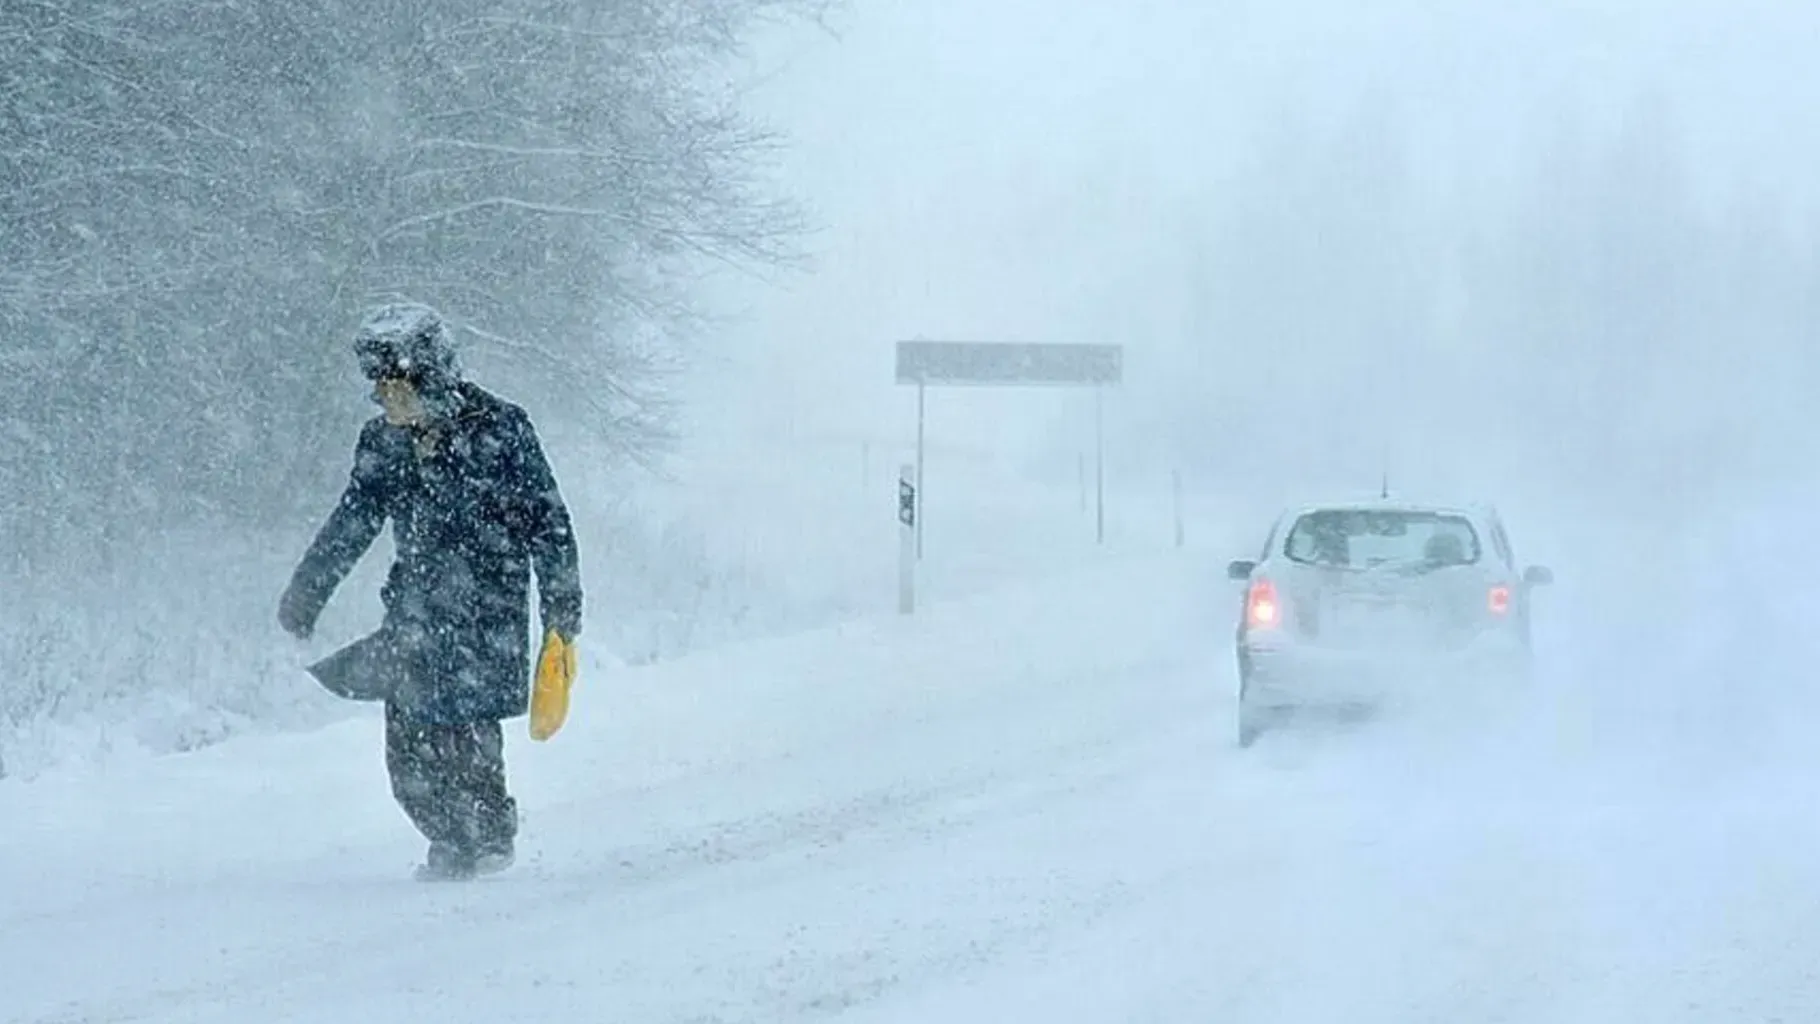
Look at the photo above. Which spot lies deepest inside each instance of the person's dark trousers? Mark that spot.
(451, 782)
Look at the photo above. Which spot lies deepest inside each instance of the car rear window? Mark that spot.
(1388, 538)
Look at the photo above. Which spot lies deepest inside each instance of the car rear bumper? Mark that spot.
(1283, 675)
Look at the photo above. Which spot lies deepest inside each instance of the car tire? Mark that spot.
(1252, 720)
(1250, 723)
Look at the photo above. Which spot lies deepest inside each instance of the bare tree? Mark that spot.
(199, 197)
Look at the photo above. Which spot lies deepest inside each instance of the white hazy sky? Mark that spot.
(1031, 169)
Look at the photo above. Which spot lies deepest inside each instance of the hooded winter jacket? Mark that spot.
(474, 511)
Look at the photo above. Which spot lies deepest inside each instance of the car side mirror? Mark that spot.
(1240, 570)
(1538, 576)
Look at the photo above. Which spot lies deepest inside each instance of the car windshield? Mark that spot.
(1382, 538)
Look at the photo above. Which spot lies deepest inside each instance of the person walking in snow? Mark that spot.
(474, 507)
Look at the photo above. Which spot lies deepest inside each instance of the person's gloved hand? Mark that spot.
(296, 615)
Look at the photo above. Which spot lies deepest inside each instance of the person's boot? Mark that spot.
(446, 862)
(493, 857)
(494, 850)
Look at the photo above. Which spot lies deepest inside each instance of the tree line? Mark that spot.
(197, 199)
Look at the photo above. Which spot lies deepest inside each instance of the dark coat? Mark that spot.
(470, 520)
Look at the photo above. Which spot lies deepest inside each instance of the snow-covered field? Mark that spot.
(1021, 805)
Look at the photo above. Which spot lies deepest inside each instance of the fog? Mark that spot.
(1558, 257)
(1556, 252)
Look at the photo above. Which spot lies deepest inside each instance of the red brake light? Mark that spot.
(1498, 601)
(1261, 608)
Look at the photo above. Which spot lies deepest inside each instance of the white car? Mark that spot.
(1351, 602)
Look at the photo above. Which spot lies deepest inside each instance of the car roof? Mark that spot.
(1470, 509)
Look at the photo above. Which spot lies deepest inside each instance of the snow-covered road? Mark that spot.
(1021, 807)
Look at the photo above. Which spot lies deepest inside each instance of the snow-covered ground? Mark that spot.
(1020, 805)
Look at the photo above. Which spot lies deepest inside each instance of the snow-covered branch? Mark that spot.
(494, 203)
(542, 152)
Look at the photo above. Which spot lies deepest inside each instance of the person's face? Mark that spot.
(403, 405)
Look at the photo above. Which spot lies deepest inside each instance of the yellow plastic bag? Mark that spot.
(550, 691)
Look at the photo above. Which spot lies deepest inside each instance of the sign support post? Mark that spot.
(921, 393)
(906, 532)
